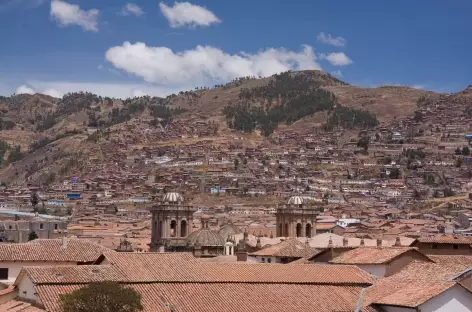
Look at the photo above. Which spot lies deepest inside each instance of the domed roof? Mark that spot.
(299, 200)
(172, 197)
(229, 229)
(205, 237)
(296, 200)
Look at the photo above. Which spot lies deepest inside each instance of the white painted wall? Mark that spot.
(258, 259)
(14, 268)
(26, 290)
(455, 299)
(374, 269)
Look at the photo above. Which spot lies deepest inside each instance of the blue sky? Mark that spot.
(120, 48)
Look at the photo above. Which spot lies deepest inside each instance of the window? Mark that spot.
(41, 226)
(269, 260)
(434, 246)
(455, 246)
(263, 259)
(10, 227)
(3, 273)
(55, 226)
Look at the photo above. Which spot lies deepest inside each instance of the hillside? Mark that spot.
(43, 138)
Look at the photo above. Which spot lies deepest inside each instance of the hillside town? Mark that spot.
(380, 216)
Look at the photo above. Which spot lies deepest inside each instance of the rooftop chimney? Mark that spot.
(397, 242)
(64, 242)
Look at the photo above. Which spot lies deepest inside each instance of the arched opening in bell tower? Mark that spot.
(183, 228)
(308, 230)
(173, 228)
(299, 230)
(286, 230)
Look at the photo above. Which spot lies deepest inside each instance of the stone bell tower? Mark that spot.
(297, 218)
(171, 223)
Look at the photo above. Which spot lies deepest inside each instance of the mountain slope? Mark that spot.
(50, 138)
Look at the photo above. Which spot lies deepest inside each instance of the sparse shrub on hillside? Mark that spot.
(349, 118)
(418, 116)
(48, 122)
(287, 98)
(4, 146)
(164, 112)
(15, 154)
(6, 124)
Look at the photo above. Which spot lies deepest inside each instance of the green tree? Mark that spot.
(34, 201)
(465, 151)
(32, 236)
(364, 143)
(102, 297)
(394, 173)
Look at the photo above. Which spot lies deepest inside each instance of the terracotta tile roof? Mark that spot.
(18, 306)
(405, 293)
(374, 255)
(417, 270)
(446, 240)
(291, 248)
(229, 297)
(76, 250)
(452, 259)
(176, 267)
(71, 274)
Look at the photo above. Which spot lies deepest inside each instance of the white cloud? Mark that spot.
(132, 9)
(205, 65)
(337, 73)
(419, 86)
(334, 41)
(24, 89)
(67, 14)
(53, 92)
(138, 93)
(337, 59)
(111, 89)
(186, 14)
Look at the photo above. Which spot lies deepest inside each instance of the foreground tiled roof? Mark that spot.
(75, 250)
(191, 285)
(158, 268)
(290, 248)
(373, 255)
(179, 267)
(229, 297)
(18, 306)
